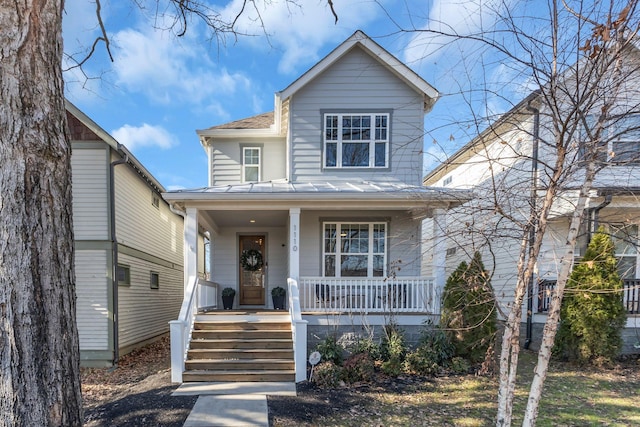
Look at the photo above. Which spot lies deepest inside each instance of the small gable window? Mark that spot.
(356, 140)
(250, 164)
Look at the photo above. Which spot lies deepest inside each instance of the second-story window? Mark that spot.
(356, 140)
(619, 139)
(250, 164)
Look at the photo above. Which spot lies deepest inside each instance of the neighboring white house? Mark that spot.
(323, 196)
(504, 164)
(120, 219)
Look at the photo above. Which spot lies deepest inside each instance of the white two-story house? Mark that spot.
(322, 196)
(508, 166)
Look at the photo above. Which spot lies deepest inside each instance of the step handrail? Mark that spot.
(180, 329)
(298, 330)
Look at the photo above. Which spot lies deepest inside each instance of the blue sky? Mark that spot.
(161, 88)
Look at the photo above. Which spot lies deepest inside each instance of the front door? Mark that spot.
(252, 269)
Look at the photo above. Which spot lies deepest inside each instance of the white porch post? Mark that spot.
(439, 254)
(190, 245)
(294, 243)
(298, 326)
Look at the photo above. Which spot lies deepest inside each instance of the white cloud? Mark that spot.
(300, 32)
(457, 18)
(166, 70)
(136, 137)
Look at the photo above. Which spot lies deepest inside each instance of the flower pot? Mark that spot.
(227, 302)
(278, 302)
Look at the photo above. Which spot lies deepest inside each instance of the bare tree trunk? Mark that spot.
(39, 354)
(553, 317)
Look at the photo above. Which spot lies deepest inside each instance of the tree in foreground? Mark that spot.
(593, 315)
(468, 310)
(39, 350)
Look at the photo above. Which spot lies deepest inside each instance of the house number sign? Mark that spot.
(294, 238)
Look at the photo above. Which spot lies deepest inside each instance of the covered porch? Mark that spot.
(350, 250)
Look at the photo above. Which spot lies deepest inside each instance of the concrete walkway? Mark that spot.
(232, 404)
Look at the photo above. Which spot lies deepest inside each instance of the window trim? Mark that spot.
(127, 274)
(371, 142)
(635, 252)
(370, 252)
(153, 285)
(244, 150)
(611, 135)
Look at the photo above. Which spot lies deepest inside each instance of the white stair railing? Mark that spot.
(180, 330)
(299, 331)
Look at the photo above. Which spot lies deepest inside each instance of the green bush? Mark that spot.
(327, 375)
(393, 344)
(393, 350)
(469, 311)
(368, 346)
(460, 365)
(358, 368)
(432, 354)
(592, 315)
(330, 350)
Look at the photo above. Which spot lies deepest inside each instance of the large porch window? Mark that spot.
(354, 249)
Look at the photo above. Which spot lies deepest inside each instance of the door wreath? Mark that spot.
(251, 260)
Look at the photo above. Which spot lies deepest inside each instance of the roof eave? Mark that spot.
(399, 69)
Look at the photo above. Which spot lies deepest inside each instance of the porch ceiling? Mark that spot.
(248, 218)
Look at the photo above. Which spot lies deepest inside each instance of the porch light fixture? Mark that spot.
(252, 221)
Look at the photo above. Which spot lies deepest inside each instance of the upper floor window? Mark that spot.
(250, 164)
(619, 139)
(354, 249)
(625, 239)
(356, 140)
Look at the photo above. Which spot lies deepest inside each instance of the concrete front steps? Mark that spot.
(240, 346)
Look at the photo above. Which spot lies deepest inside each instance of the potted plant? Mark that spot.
(278, 295)
(227, 298)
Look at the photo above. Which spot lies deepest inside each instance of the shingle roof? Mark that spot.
(261, 121)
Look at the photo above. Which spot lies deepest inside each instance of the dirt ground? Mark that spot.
(135, 393)
(138, 393)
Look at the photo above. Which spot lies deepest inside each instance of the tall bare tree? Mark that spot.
(39, 351)
(582, 59)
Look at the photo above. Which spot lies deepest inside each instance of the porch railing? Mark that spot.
(180, 330)
(369, 295)
(630, 295)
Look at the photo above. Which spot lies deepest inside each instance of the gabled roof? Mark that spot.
(478, 143)
(360, 39)
(115, 145)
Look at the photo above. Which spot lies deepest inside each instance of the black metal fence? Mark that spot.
(630, 295)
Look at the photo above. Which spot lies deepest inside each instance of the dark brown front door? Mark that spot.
(252, 268)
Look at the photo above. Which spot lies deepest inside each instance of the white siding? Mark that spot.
(90, 170)
(227, 160)
(92, 312)
(144, 313)
(140, 225)
(357, 82)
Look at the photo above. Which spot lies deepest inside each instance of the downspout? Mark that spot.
(114, 250)
(596, 213)
(532, 231)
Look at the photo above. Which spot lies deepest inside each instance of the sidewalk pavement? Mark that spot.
(232, 404)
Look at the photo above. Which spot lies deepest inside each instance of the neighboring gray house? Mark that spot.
(120, 219)
(322, 196)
